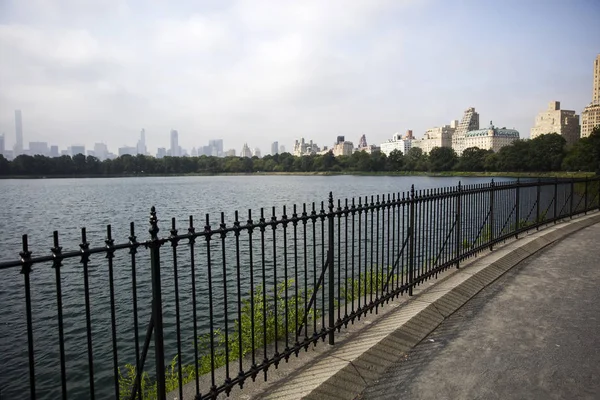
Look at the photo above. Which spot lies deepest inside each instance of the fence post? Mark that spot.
(411, 242)
(571, 198)
(491, 233)
(517, 209)
(537, 207)
(330, 218)
(555, 199)
(585, 197)
(157, 305)
(458, 233)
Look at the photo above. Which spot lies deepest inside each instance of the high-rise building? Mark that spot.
(141, 145)
(590, 116)
(174, 143)
(127, 150)
(216, 146)
(303, 148)
(491, 138)
(469, 122)
(436, 137)
(161, 152)
(54, 151)
(39, 148)
(274, 148)
(230, 153)
(18, 149)
(76, 149)
(246, 151)
(398, 143)
(256, 152)
(555, 120)
(2, 149)
(101, 151)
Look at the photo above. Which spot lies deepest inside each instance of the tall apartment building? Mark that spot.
(590, 116)
(39, 148)
(2, 149)
(246, 151)
(435, 137)
(141, 144)
(469, 122)
(274, 148)
(490, 138)
(303, 148)
(404, 144)
(175, 144)
(18, 149)
(555, 120)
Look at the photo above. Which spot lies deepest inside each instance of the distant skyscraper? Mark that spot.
(19, 133)
(54, 151)
(77, 150)
(246, 151)
(256, 152)
(590, 116)
(281, 149)
(141, 145)
(100, 151)
(161, 152)
(555, 120)
(2, 144)
(127, 150)
(469, 122)
(216, 147)
(40, 148)
(230, 153)
(174, 143)
(274, 148)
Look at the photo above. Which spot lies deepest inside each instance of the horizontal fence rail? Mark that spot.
(216, 302)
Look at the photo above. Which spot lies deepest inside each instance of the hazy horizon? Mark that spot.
(259, 71)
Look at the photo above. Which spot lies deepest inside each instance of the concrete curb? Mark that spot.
(350, 367)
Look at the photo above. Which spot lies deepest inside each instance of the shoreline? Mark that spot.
(559, 174)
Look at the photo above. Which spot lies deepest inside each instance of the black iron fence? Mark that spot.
(215, 303)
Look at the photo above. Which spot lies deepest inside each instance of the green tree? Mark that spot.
(395, 160)
(473, 159)
(442, 159)
(546, 152)
(415, 160)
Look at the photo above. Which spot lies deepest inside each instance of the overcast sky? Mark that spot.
(256, 71)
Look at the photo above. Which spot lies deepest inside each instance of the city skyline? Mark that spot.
(302, 70)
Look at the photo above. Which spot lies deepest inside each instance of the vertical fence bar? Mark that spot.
(537, 205)
(492, 221)
(211, 322)
(330, 217)
(136, 336)
(26, 271)
(191, 243)
(223, 236)
(236, 231)
(250, 225)
(585, 196)
(517, 209)
(85, 258)
(458, 232)
(571, 198)
(411, 244)
(555, 199)
(174, 243)
(109, 242)
(157, 306)
(56, 264)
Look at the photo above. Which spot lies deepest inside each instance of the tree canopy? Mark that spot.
(545, 153)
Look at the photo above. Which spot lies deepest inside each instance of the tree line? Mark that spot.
(546, 153)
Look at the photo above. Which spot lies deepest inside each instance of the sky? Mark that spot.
(258, 71)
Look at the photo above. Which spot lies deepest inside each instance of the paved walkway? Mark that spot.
(532, 334)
